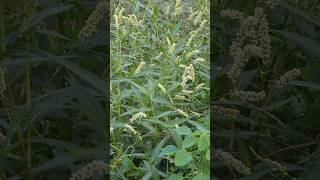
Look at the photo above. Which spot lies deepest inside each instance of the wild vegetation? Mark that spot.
(160, 120)
(53, 120)
(265, 89)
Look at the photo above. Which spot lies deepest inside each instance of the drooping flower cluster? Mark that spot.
(95, 18)
(276, 166)
(90, 170)
(253, 40)
(188, 74)
(3, 83)
(137, 116)
(231, 162)
(248, 96)
(30, 12)
(225, 111)
(232, 14)
(141, 65)
(287, 76)
(181, 112)
(272, 3)
(162, 88)
(2, 138)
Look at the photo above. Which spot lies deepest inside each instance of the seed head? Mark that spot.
(192, 53)
(198, 18)
(199, 86)
(248, 96)
(232, 162)
(187, 92)
(232, 14)
(95, 18)
(3, 83)
(141, 65)
(287, 76)
(198, 61)
(137, 116)
(179, 97)
(162, 88)
(182, 113)
(225, 111)
(90, 170)
(3, 138)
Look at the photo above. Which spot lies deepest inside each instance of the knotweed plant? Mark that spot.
(160, 82)
(266, 91)
(53, 119)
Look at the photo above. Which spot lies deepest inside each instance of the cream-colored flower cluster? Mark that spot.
(272, 3)
(132, 18)
(253, 40)
(162, 88)
(276, 166)
(180, 97)
(132, 130)
(141, 65)
(287, 76)
(3, 138)
(232, 14)
(94, 19)
(181, 112)
(248, 96)
(30, 12)
(137, 116)
(171, 46)
(225, 111)
(231, 162)
(3, 83)
(177, 8)
(188, 74)
(192, 53)
(90, 170)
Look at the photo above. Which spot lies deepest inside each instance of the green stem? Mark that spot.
(2, 5)
(28, 103)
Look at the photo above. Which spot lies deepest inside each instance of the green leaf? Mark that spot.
(182, 158)
(168, 150)
(311, 85)
(189, 141)
(302, 41)
(86, 75)
(256, 175)
(157, 149)
(175, 136)
(208, 154)
(183, 130)
(202, 176)
(75, 155)
(244, 153)
(175, 177)
(299, 12)
(203, 142)
(53, 34)
(48, 12)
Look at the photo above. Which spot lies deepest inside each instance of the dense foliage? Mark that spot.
(160, 90)
(53, 89)
(265, 89)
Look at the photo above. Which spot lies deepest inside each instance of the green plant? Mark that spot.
(52, 117)
(266, 80)
(159, 90)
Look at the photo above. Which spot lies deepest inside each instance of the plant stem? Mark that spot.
(28, 103)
